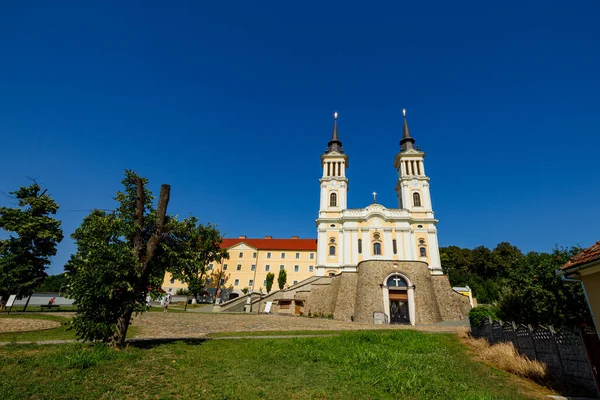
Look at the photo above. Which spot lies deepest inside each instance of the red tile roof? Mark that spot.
(273, 244)
(586, 256)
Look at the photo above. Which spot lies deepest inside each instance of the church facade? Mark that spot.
(375, 264)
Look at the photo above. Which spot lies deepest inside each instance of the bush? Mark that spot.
(182, 292)
(480, 313)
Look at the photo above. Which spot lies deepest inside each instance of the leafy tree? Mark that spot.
(282, 279)
(118, 261)
(32, 239)
(53, 283)
(270, 280)
(189, 249)
(218, 278)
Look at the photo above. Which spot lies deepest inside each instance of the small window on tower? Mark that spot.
(359, 246)
(395, 246)
(377, 249)
(423, 252)
(417, 199)
(333, 200)
(332, 250)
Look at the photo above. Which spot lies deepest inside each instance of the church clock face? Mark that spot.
(414, 183)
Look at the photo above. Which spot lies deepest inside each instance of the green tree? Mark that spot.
(33, 235)
(189, 249)
(53, 283)
(282, 279)
(270, 280)
(118, 261)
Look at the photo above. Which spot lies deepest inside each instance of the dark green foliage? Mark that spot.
(32, 238)
(245, 290)
(523, 288)
(270, 280)
(53, 283)
(282, 278)
(103, 275)
(480, 313)
(189, 248)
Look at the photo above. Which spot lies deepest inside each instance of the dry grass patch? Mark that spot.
(504, 356)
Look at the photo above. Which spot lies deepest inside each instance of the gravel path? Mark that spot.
(25, 324)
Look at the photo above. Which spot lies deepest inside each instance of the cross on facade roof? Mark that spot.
(374, 197)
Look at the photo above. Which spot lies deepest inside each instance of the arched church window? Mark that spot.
(359, 246)
(396, 281)
(333, 200)
(377, 249)
(417, 199)
(421, 241)
(395, 246)
(332, 250)
(423, 251)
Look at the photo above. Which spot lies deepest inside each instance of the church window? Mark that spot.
(331, 240)
(297, 255)
(239, 267)
(418, 167)
(281, 267)
(312, 256)
(282, 255)
(267, 268)
(359, 246)
(417, 199)
(236, 282)
(224, 267)
(421, 241)
(377, 249)
(241, 254)
(423, 251)
(311, 268)
(172, 280)
(396, 281)
(296, 268)
(332, 250)
(376, 236)
(252, 267)
(333, 200)
(395, 246)
(295, 282)
(269, 255)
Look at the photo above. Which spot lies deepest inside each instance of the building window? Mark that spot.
(170, 290)
(241, 254)
(210, 267)
(332, 250)
(377, 249)
(207, 281)
(312, 256)
(421, 241)
(423, 251)
(224, 267)
(251, 282)
(252, 267)
(172, 281)
(253, 255)
(239, 267)
(417, 199)
(222, 281)
(269, 255)
(297, 255)
(282, 255)
(333, 200)
(281, 267)
(395, 246)
(295, 282)
(236, 282)
(359, 246)
(267, 268)
(265, 282)
(311, 268)
(296, 268)
(396, 281)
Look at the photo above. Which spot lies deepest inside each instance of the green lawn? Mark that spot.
(354, 365)
(59, 333)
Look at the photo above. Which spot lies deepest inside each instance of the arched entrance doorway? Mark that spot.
(398, 299)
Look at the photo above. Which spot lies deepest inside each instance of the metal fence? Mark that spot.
(563, 350)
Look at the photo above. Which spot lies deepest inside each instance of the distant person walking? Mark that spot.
(167, 300)
(51, 302)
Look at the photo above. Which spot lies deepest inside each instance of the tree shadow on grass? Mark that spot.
(151, 343)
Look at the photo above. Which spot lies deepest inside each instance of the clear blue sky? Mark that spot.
(231, 103)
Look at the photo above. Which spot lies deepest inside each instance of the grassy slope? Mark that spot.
(355, 365)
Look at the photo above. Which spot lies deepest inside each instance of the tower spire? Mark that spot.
(407, 142)
(334, 144)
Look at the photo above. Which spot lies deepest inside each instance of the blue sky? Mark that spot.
(231, 103)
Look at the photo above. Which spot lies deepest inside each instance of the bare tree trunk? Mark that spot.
(145, 257)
